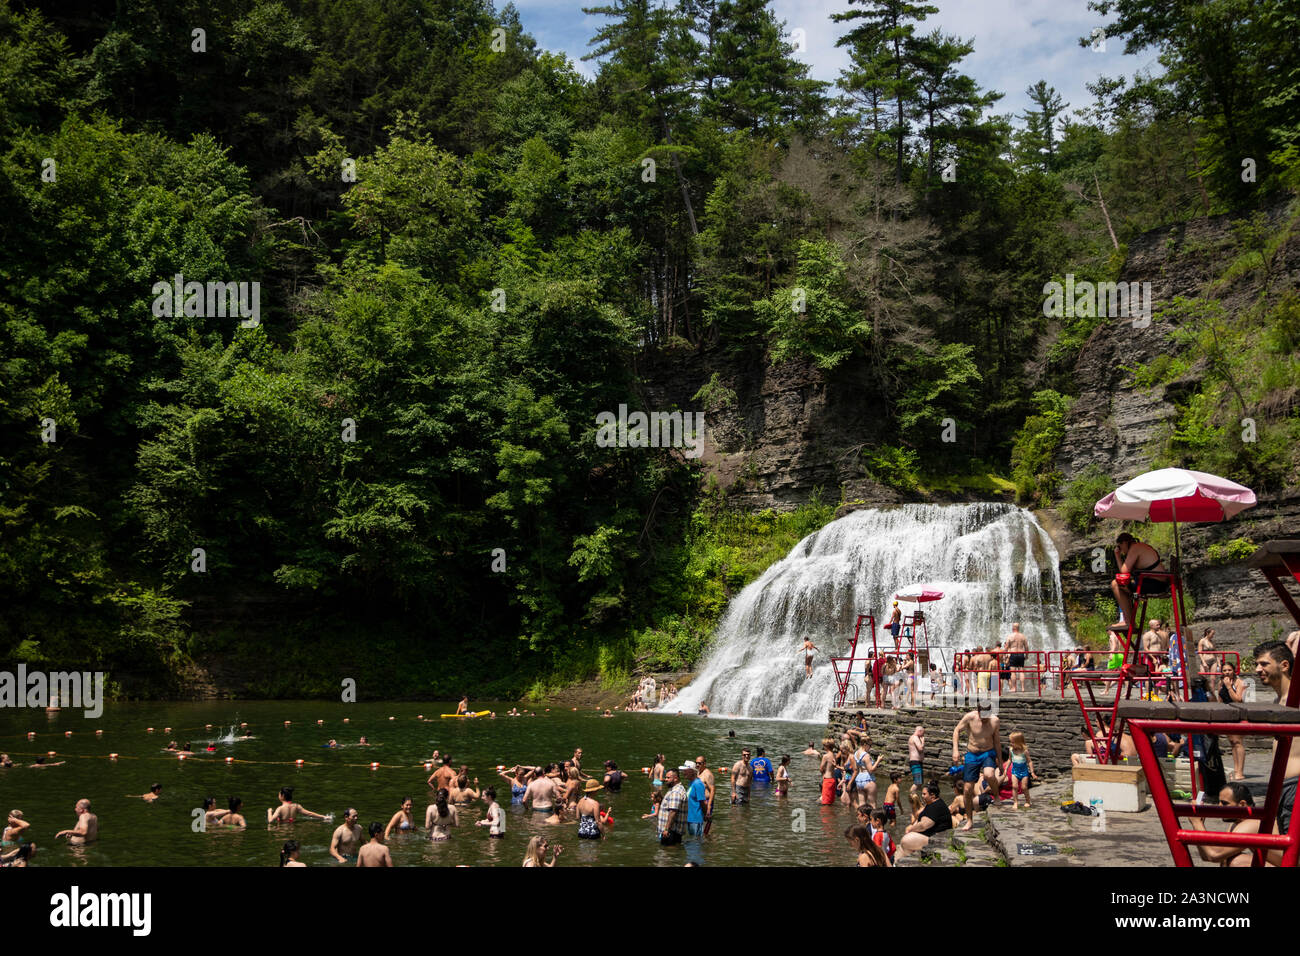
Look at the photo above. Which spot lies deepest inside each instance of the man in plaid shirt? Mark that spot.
(672, 811)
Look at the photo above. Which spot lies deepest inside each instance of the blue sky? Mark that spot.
(1017, 42)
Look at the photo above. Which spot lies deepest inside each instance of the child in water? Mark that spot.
(891, 796)
(655, 799)
(1022, 768)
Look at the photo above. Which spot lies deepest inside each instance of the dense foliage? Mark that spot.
(463, 247)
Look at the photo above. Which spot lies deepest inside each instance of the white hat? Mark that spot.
(689, 765)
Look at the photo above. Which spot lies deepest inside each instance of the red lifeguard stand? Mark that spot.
(1280, 721)
(842, 677)
(1165, 495)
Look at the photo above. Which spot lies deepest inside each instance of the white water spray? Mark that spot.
(994, 563)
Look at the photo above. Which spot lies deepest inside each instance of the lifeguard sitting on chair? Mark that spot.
(1132, 557)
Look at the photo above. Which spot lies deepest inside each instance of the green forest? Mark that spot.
(464, 251)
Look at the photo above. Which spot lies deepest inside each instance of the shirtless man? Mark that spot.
(1115, 648)
(916, 763)
(87, 828)
(983, 749)
(234, 819)
(463, 706)
(742, 775)
(827, 767)
(1018, 645)
(375, 853)
(710, 786)
(444, 775)
(346, 840)
(1273, 665)
(288, 811)
(895, 623)
(154, 793)
(808, 648)
(1132, 557)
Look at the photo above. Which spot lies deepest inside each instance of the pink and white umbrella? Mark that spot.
(1176, 494)
(918, 594)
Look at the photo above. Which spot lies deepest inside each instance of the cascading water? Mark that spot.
(994, 563)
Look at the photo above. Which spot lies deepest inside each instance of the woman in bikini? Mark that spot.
(13, 831)
(403, 819)
(288, 811)
(1231, 692)
(289, 854)
(440, 817)
(657, 771)
(783, 777)
(1209, 660)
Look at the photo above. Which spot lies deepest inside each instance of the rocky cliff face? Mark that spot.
(790, 430)
(1116, 427)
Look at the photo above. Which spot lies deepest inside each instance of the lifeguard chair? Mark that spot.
(1280, 721)
(1166, 495)
(843, 666)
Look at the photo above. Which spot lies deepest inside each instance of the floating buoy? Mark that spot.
(319, 722)
(428, 766)
(375, 765)
(99, 733)
(230, 760)
(181, 756)
(392, 718)
(50, 753)
(148, 730)
(287, 723)
(207, 726)
(112, 756)
(31, 735)
(298, 761)
(347, 720)
(419, 716)
(167, 730)
(67, 733)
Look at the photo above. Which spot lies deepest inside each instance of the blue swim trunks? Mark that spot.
(975, 763)
(918, 771)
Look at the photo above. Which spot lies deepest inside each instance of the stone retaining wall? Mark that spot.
(1052, 729)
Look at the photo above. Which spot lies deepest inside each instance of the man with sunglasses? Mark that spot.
(742, 775)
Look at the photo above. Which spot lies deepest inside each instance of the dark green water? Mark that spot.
(133, 833)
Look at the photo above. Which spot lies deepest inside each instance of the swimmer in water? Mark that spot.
(288, 811)
(460, 791)
(346, 841)
(333, 744)
(6, 762)
(154, 793)
(87, 828)
(463, 706)
(811, 751)
(211, 815)
(440, 817)
(42, 764)
(495, 820)
(657, 771)
(375, 853)
(403, 819)
(13, 830)
(18, 858)
(173, 746)
(363, 742)
(289, 854)
(233, 819)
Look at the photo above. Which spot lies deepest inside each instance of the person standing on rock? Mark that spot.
(983, 748)
(1018, 646)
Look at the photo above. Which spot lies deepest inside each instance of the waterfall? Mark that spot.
(994, 563)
